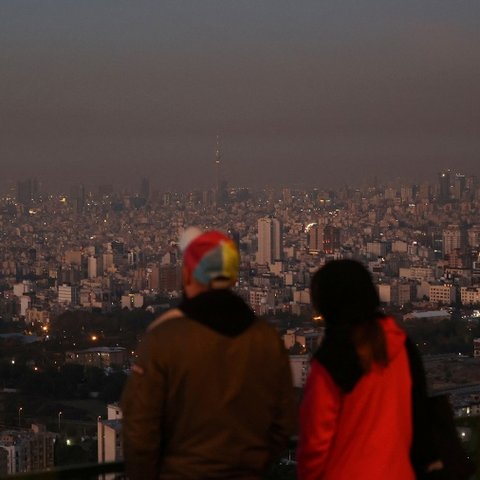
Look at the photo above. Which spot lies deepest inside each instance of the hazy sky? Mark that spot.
(314, 92)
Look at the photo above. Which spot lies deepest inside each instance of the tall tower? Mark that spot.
(218, 156)
(269, 240)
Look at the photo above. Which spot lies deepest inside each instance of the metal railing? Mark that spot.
(100, 471)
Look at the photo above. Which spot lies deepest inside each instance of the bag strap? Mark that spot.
(437, 451)
(423, 451)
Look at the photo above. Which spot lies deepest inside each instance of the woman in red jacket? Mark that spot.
(356, 414)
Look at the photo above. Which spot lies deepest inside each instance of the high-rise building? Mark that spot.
(474, 236)
(166, 199)
(406, 193)
(27, 191)
(68, 294)
(331, 239)
(107, 260)
(454, 240)
(315, 238)
(208, 197)
(458, 186)
(444, 183)
(453, 186)
(145, 188)
(77, 198)
(424, 191)
(94, 267)
(269, 240)
(169, 278)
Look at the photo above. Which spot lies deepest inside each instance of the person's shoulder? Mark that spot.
(265, 328)
(391, 326)
(166, 320)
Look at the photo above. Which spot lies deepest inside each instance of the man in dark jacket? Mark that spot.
(210, 395)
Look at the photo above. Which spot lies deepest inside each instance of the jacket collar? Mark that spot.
(220, 310)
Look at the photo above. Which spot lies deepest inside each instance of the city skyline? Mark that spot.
(82, 274)
(314, 94)
(444, 184)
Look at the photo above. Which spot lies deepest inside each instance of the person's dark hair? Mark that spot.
(344, 294)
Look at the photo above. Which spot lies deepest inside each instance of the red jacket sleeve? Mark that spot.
(318, 420)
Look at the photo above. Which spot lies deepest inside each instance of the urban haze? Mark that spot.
(306, 93)
(307, 131)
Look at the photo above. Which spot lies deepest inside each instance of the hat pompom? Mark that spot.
(187, 236)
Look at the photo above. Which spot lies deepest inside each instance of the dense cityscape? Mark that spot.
(82, 274)
(239, 240)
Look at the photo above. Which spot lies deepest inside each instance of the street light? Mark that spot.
(19, 415)
(59, 420)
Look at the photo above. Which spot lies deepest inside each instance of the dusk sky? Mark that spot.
(317, 93)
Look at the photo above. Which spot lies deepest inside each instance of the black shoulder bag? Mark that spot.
(434, 433)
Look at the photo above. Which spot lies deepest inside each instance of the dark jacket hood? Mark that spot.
(220, 310)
